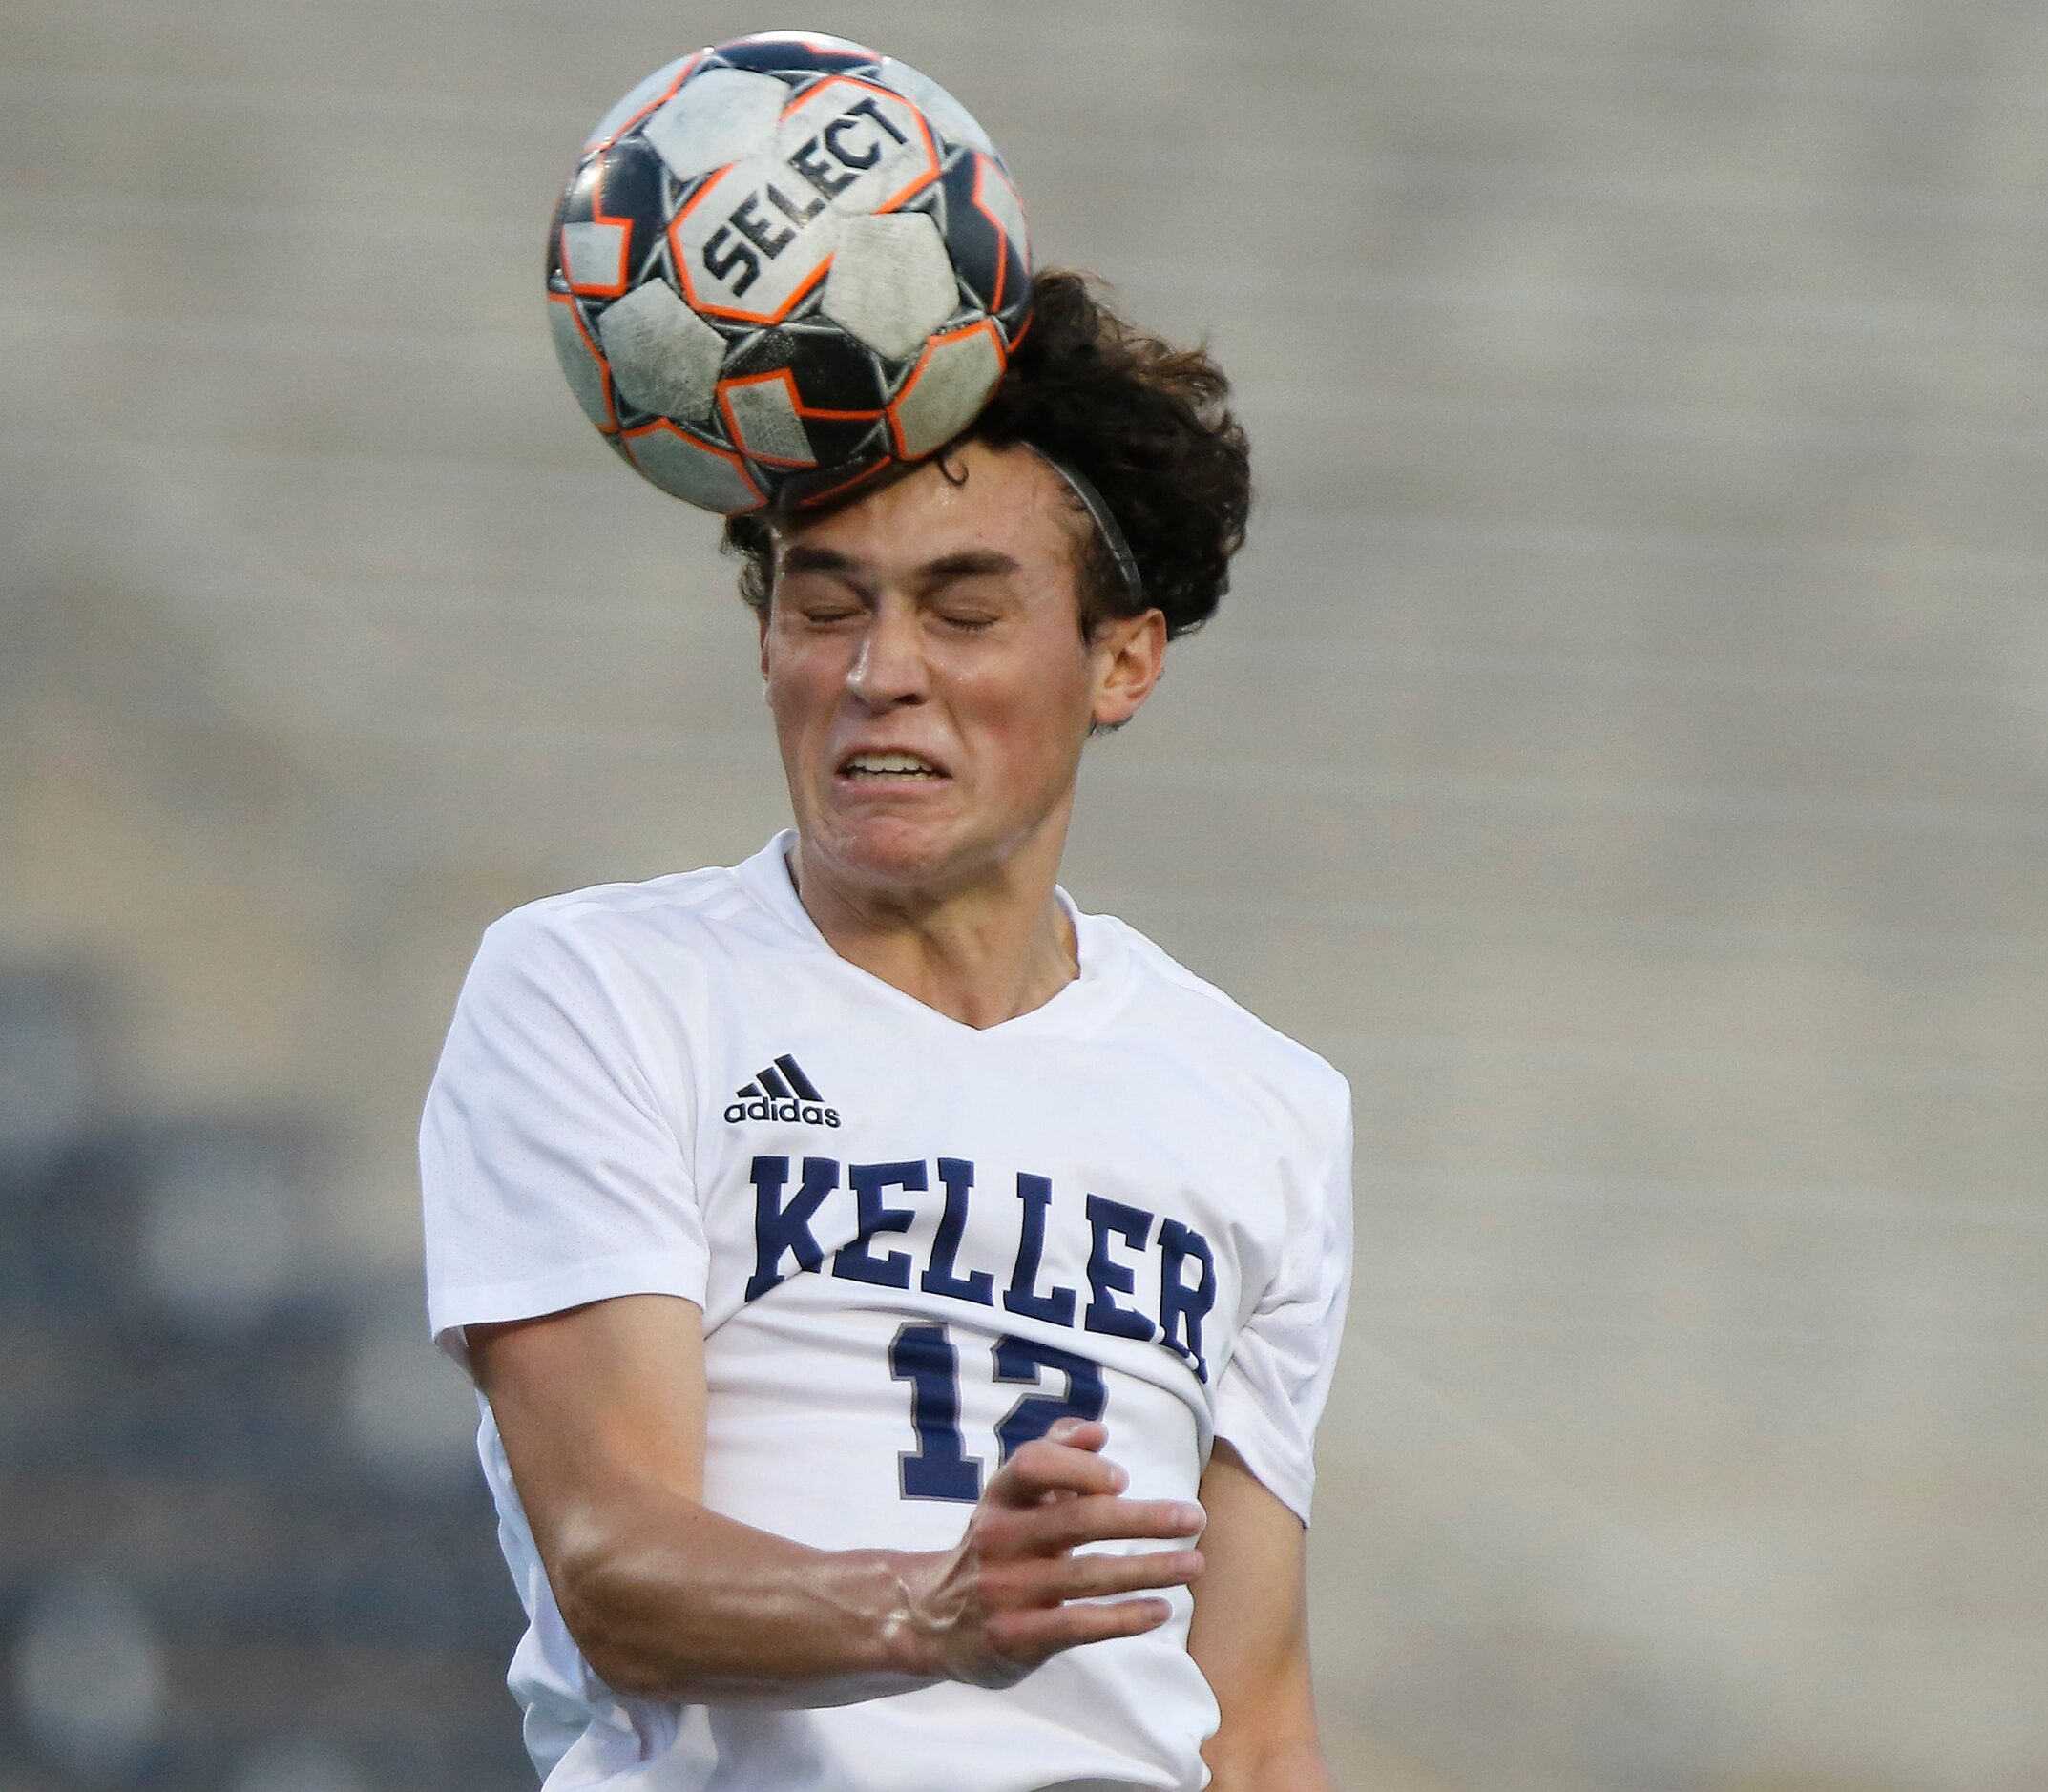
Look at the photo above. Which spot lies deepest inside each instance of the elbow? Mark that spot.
(604, 1606)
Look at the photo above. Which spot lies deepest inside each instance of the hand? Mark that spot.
(1011, 1593)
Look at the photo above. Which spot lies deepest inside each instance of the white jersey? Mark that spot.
(915, 1245)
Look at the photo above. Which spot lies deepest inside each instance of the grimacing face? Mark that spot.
(930, 685)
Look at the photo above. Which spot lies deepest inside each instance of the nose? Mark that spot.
(888, 670)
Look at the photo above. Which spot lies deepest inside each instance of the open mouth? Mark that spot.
(890, 768)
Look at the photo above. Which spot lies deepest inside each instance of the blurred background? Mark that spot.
(1625, 755)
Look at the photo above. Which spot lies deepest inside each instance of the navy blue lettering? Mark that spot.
(745, 219)
(855, 1261)
(870, 108)
(1055, 1308)
(724, 256)
(1108, 1279)
(829, 182)
(939, 1468)
(1025, 1360)
(939, 1276)
(832, 134)
(789, 209)
(777, 1228)
(1183, 1309)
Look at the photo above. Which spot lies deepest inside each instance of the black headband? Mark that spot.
(1105, 521)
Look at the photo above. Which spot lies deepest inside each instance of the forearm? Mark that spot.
(1250, 1636)
(671, 1600)
(600, 1412)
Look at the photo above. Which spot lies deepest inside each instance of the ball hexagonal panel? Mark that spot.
(692, 471)
(946, 389)
(761, 416)
(640, 100)
(664, 358)
(582, 362)
(892, 282)
(719, 116)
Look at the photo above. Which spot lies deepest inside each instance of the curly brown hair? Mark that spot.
(1148, 424)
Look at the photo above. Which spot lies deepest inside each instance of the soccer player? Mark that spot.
(901, 1302)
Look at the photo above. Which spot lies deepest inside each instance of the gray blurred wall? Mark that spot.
(1624, 754)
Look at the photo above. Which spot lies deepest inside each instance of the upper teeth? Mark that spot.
(887, 762)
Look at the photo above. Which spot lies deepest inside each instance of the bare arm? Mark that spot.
(601, 1410)
(1250, 1636)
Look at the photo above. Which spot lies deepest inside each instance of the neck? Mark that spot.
(982, 954)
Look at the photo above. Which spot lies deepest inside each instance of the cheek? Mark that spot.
(1038, 715)
(801, 685)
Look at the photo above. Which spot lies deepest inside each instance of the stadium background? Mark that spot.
(1625, 755)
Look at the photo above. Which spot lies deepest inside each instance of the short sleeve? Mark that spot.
(1272, 1391)
(550, 1174)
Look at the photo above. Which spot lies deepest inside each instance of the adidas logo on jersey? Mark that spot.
(782, 1092)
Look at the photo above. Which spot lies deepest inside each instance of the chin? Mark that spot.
(899, 851)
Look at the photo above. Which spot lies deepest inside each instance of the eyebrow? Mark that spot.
(967, 563)
(801, 558)
(970, 563)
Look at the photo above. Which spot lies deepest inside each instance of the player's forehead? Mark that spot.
(977, 501)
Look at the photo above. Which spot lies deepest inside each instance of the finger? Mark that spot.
(1095, 1519)
(1042, 1466)
(1076, 1434)
(1052, 1580)
(1101, 1577)
(1033, 1635)
(1053, 1495)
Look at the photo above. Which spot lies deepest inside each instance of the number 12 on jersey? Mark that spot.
(939, 1468)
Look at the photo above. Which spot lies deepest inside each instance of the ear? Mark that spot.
(1129, 653)
(761, 622)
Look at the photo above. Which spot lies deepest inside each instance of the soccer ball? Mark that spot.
(781, 266)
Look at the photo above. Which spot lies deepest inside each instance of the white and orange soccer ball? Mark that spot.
(781, 266)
